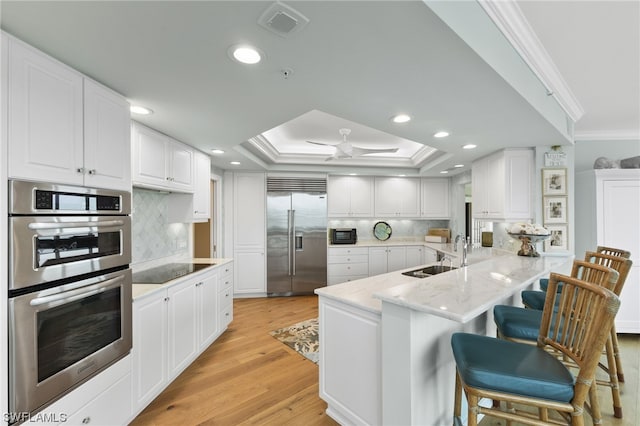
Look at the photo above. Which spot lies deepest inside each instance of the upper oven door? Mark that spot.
(50, 248)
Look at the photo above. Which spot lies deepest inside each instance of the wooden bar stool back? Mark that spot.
(515, 373)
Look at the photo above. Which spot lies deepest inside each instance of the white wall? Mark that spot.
(586, 152)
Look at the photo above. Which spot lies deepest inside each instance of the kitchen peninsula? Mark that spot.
(385, 355)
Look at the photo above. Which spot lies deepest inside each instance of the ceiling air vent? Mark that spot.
(282, 19)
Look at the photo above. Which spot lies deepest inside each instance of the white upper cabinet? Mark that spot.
(63, 127)
(434, 198)
(502, 185)
(202, 194)
(350, 196)
(107, 139)
(160, 162)
(397, 197)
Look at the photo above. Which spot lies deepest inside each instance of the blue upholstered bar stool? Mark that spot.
(535, 300)
(530, 375)
(522, 325)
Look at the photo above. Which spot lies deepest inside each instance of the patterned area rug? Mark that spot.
(301, 337)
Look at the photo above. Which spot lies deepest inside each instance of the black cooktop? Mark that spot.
(166, 273)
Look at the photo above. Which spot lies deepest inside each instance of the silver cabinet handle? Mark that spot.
(65, 225)
(92, 171)
(80, 170)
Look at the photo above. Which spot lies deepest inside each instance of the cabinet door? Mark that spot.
(361, 196)
(430, 256)
(479, 189)
(207, 310)
(397, 197)
(249, 207)
(377, 261)
(149, 353)
(250, 272)
(518, 178)
(202, 193)
(149, 156)
(495, 186)
(415, 256)
(434, 198)
(45, 139)
(182, 325)
(112, 407)
(620, 228)
(107, 138)
(396, 258)
(338, 196)
(180, 166)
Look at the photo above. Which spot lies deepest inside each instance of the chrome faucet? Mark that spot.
(465, 245)
(455, 244)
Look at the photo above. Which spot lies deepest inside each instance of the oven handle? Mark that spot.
(79, 293)
(61, 225)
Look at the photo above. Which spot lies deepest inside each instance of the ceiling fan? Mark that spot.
(344, 149)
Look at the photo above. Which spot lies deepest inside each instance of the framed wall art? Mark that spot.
(559, 238)
(555, 209)
(554, 181)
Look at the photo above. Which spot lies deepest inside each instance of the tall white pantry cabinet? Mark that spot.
(608, 214)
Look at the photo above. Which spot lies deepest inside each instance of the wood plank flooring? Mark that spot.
(248, 377)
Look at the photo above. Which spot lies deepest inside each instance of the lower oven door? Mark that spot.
(61, 336)
(50, 248)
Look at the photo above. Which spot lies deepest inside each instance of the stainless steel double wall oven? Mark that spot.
(69, 288)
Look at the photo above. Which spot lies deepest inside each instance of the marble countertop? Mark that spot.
(459, 295)
(139, 290)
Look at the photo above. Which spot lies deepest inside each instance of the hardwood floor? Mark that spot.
(248, 377)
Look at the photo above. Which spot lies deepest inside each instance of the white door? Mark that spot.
(249, 267)
(377, 261)
(149, 156)
(202, 192)
(180, 168)
(396, 258)
(207, 309)
(45, 124)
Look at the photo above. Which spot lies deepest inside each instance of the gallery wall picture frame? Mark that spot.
(555, 209)
(558, 239)
(554, 181)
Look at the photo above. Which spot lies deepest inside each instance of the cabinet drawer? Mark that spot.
(350, 258)
(112, 407)
(344, 251)
(348, 269)
(226, 316)
(225, 297)
(337, 279)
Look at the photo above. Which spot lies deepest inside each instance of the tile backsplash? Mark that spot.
(401, 228)
(152, 234)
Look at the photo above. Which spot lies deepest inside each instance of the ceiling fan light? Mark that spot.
(401, 118)
(441, 134)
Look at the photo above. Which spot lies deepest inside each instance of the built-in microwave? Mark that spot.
(343, 235)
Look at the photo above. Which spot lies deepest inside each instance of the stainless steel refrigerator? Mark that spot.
(296, 241)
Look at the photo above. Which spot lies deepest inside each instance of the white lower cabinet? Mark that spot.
(104, 399)
(347, 264)
(415, 256)
(173, 326)
(350, 363)
(386, 259)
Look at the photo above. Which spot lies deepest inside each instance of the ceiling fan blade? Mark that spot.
(367, 151)
(322, 143)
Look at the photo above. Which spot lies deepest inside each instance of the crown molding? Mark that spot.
(607, 135)
(510, 20)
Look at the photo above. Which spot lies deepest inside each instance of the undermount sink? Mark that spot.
(428, 271)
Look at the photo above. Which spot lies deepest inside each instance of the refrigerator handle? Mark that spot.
(293, 240)
(289, 232)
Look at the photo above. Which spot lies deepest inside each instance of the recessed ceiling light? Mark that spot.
(217, 151)
(235, 163)
(353, 174)
(137, 109)
(457, 166)
(444, 172)
(441, 134)
(469, 146)
(245, 54)
(402, 175)
(401, 118)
